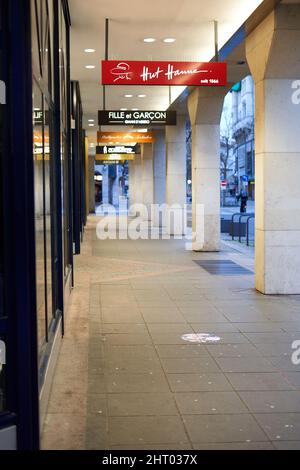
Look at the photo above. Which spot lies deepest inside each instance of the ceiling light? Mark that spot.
(142, 96)
(91, 125)
(92, 145)
(91, 120)
(149, 40)
(134, 109)
(169, 40)
(128, 96)
(89, 50)
(123, 109)
(90, 66)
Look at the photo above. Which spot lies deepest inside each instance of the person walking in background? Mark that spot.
(243, 197)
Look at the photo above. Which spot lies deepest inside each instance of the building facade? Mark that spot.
(243, 134)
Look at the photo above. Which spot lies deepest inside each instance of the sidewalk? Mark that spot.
(128, 379)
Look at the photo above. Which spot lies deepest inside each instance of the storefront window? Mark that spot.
(42, 34)
(64, 154)
(39, 194)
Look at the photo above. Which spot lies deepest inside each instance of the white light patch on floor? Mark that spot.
(201, 338)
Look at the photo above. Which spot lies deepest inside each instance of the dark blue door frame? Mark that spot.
(20, 325)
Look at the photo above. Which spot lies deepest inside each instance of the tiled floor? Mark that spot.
(127, 380)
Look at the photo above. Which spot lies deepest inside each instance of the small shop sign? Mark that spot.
(125, 137)
(135, 118)
(117, 149)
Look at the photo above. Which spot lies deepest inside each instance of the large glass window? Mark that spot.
(64, 147)
(42, 52)
(39, 193)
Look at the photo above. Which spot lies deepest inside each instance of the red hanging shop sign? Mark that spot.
(116, 72)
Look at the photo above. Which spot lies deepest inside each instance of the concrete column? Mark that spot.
(205, 108)
(147, 177)
(159, 156)
(92, 184)
(116, 189)
(105, 186)
(176, 177)
(272, 51)
(131, 185)
(138, 198)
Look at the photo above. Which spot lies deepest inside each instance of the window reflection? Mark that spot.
(64, 155)
(39, 139)
(45, 47)
(43, 94)
(47, 207)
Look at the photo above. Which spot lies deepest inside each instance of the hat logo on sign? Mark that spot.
(122, 72)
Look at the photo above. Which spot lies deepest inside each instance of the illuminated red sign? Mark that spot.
(116, 72)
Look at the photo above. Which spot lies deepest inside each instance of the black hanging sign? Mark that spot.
(137, 118)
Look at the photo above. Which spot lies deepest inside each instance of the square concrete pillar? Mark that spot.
(205, 108)
(159, 159)
(273, 55)
(92, 184)
(147, 177)
(131, 185)
(176, 177)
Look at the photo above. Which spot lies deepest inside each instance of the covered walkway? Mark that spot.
(126, 379)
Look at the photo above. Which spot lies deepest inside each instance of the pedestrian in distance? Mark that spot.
(243, 198)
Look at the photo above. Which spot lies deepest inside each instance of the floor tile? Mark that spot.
(97, 404)
(245, 364)
(127, 339)
(129, 382)
(198, 382)
(274, 349)
(272, 401)
(96, 432)
(162, 315)
(181, 351)
(146, 429)
(293, 378)
(273, 337)
(189, 365)
(141, 404)
(259, 381)
(258, 327)
(280, 426)
(223, 428)
(130, 328)
(210, 403)
(215, 327)
(233, 350)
